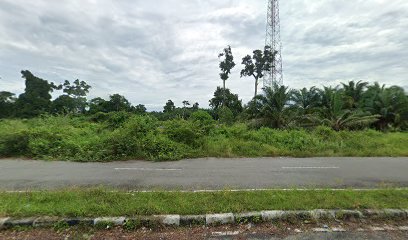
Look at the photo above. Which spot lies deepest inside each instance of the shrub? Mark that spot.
(182, 131)
(203, 121)
(201, 116)
(161, 148)
(117, 119)
(14, 144)
(44, 144)
(326, 133)
(144, 137)
(225, 115)
(139, 125)
(99, 117)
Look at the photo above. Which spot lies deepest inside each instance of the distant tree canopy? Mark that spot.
(36, 98)
(116, 103)
(350, 106)
(169, 107)
(140, 109)
(231, 101)
(7, 100)
(74, 98)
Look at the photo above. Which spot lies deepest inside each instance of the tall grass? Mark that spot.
(121, 136)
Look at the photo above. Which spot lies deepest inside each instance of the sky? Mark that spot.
(152, 51)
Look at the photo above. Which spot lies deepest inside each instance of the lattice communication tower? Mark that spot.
(273, 40)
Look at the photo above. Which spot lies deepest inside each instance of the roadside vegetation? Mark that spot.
(122, 136)
(100, 202)
(352, 119)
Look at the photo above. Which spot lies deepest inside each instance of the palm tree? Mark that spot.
(185, 104)
(273, 106)
(330, 101)
(306, 99)
(353, 93)
(332, 113)
(391, 104)
(352, 120)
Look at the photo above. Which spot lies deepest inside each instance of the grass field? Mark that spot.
(101, 202)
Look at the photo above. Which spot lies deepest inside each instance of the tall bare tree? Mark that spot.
(226, 65)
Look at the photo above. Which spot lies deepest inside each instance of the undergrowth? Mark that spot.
(123, 136)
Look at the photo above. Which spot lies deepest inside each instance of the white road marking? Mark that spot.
(151, 169)
(310, 167)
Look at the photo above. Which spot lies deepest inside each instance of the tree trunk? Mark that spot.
(256, 87)
(223, 94)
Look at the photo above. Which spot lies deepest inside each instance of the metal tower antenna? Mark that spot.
(274, 41)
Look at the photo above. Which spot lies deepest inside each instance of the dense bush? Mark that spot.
(123, 136)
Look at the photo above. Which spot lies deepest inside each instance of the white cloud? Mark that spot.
(151, 51)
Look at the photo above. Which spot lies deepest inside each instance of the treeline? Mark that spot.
(351, 106)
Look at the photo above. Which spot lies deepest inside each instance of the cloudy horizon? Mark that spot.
(152, 51)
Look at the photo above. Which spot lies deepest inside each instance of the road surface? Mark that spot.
(209, 173)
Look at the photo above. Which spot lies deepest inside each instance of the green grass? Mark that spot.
(122, 136)
(101, 202)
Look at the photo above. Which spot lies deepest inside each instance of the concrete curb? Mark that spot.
(211, 219)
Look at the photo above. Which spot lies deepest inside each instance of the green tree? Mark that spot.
(331, 102)
(118, 103)
(226, 65)
(391, 104)
(97, 105)
(185, 105)
(258, 64)
(231, 101)
(306, 100)
(7, 101)
(74, 99)
(36, 98)
(353, 92)
(334, 114)
(196, 106)
(140, 109)
(169, 107)
(274, 108)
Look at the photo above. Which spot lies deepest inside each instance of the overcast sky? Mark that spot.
(152, 51)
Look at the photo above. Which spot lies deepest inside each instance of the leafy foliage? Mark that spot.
(74, 100)
(122, 135)
(230, 100)
(7, 100)
(258, 64)
(271, 108)
(226, 66)
(36, 99)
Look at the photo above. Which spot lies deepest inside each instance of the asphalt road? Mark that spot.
(211, 173)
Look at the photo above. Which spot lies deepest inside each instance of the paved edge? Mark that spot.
(208, 219)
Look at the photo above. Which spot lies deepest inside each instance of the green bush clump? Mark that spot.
(161, 148)
(182, 131)
(14, 144)
(203, 121)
